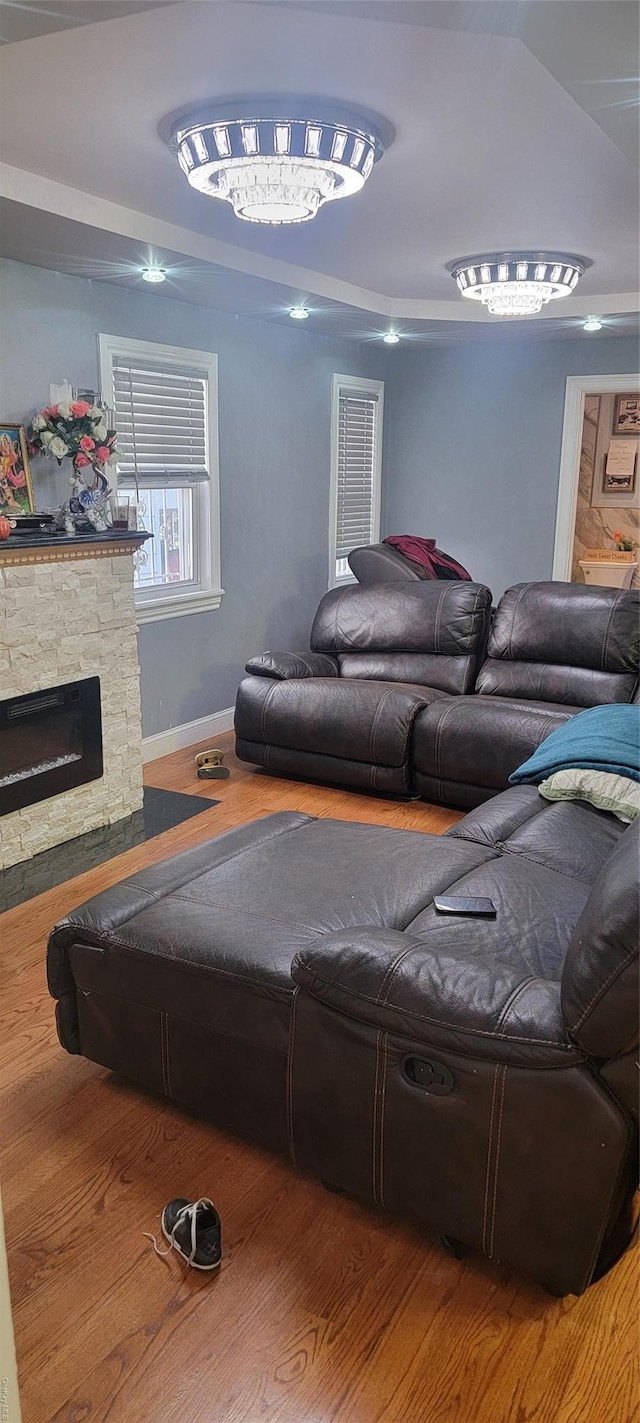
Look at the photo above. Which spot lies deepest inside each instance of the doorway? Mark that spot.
(598, 487)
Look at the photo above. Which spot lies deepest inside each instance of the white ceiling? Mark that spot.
(25, 19)
(492, 149)
(590, 48)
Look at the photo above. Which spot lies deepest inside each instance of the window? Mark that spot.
(165, 403)
(356, 466)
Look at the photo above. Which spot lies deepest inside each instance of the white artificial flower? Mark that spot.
(46, 437)
(58, 448)
(39, 422)
(64, 409)
(94, 412)
(101, 430)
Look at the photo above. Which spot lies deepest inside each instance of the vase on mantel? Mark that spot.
(81, 432)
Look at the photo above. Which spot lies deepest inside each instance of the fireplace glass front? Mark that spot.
(50, 741)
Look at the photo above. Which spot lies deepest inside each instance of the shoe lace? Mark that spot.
(183, 1215)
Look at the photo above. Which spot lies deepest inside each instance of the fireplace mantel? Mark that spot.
(21, 550)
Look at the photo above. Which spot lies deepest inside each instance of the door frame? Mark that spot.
(576, 389)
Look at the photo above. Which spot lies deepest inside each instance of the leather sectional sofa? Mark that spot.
(292, 982)
(416, 687)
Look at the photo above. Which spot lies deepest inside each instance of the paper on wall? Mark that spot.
(621, 458)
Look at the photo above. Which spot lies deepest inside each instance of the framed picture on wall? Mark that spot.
(16, 489)
(616, 484)
(626, 415)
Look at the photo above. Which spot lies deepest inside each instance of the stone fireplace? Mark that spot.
(70, 726)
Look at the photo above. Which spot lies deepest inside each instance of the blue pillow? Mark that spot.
(600, 739)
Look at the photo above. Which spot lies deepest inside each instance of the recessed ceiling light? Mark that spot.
(153, 274)
(592, 324)
(298, 313)
(517, 283)
(391, 338)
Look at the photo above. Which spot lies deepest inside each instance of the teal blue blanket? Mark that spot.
(600, 739)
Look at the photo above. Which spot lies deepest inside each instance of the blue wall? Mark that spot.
(274, 411)
(472, 452)
(473, 447)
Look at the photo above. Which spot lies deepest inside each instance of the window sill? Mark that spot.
(158, 610)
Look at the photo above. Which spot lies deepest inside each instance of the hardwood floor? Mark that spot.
(323, 1312)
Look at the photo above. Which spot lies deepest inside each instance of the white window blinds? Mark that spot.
(357, 463)
(161, 420)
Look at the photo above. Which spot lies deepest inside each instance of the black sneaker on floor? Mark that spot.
(193, 1229)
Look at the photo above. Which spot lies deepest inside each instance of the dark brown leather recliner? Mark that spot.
(292, 981)
(554, 649)
(345, 711)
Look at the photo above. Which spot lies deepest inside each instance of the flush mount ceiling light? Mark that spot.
(276, 160)
(153, 274)
(517, 283)
(298, 313)
(391, 338)
(592, 324)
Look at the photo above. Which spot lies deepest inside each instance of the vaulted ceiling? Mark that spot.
(515, 126)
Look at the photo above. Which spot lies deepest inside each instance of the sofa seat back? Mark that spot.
(430, 633)
(563, 642)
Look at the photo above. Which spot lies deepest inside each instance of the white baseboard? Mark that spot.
(204, 729)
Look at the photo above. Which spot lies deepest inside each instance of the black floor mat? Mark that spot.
(162, 810)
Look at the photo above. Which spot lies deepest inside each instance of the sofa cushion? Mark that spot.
(563, 642)
(604, 789)
(575, 840)
(360, 721)
(432, 632)
(537, 909)
(481, 740)
(422, 668)
(579, 686)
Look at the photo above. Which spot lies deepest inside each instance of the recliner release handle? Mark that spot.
(431, 1076)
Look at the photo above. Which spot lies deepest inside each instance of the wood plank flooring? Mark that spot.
(323, 1312)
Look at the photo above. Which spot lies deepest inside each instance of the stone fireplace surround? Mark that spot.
(67, 612)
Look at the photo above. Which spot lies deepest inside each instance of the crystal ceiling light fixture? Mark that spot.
(517, 283)
(278, 160)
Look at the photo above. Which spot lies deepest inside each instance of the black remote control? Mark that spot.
(459, 904)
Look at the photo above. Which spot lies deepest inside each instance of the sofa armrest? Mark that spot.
(285, 666)
(439, 997)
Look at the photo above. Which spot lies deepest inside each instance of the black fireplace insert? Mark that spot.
(50, 741)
